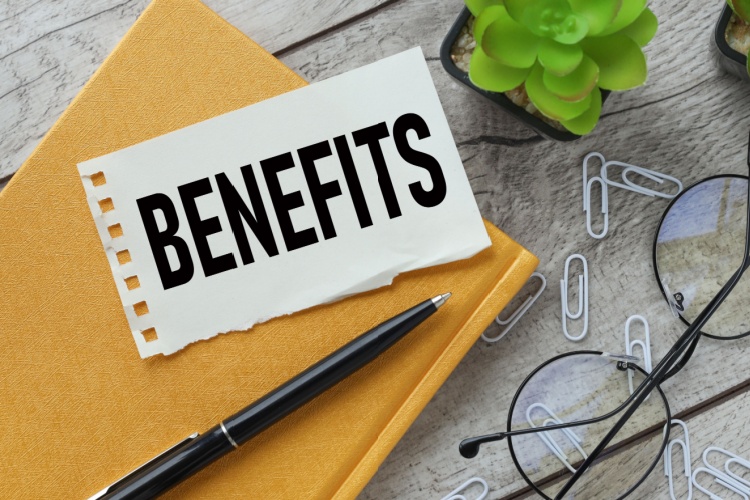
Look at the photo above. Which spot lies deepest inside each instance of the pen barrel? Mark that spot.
(173, 468)
(321, 376)
(178, 464)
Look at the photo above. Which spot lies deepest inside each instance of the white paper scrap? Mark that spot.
(299, 200)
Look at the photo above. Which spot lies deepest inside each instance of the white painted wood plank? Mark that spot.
(48, 50)
(686, 122)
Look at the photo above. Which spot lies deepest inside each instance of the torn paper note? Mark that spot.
(305, 198)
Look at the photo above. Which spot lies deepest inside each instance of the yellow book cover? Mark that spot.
(81, 408)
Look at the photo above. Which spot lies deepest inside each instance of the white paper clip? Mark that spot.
(457, 494)
(685, 445)
(518, 313)
(728, 476)
(719, 478)
(740, 461)
(629, 185)
(657, 177)
(645, 346)
(547, 439)
(604, 181)
(586, 173)
(587, 183)
(605, 208)
(583, 298)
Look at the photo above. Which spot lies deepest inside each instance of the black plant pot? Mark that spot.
(540, 126)
(732, 61)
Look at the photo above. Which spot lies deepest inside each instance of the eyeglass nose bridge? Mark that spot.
(621, 358)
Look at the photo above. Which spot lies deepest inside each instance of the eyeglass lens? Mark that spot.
(699, 246)
(578, 387)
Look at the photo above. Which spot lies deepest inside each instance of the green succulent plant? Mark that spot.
(742, 9)
(564, 51)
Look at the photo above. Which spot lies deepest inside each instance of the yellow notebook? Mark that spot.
(79, 406)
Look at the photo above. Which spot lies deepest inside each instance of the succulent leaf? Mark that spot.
(559, 58)
(629, 12)
(576, 85)
(476, 7)
(622, 65)
(516, 8)
(548, 103)
(586, 122)
(549, 19)
(510, 43)
(643, 29)
(598, 13)
(741, 8)
(488, 74)
(572, 30)
(487, 17)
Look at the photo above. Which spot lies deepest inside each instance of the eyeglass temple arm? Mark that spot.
(469, 447)
(662, 369)
(683, 361)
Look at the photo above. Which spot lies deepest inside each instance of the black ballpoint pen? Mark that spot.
(197, 451)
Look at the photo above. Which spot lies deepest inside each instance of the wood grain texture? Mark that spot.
(690, 121)
(720, 427)
(48, 50)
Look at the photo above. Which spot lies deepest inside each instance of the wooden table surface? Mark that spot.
(689, 120)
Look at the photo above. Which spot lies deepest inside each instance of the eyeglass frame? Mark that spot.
(675, 359)
(624, 366)
(656, 238)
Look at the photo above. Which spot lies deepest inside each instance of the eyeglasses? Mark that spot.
(575, 429)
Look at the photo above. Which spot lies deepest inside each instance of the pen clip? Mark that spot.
(135, 471)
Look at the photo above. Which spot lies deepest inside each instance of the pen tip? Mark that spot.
(440, 299)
